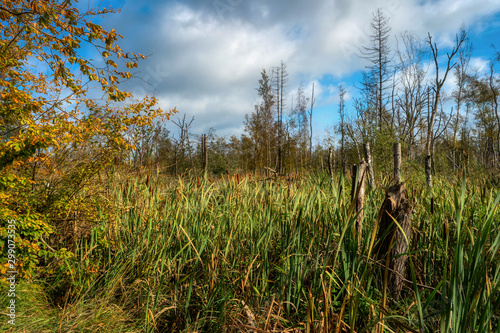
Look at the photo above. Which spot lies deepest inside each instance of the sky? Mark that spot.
(205, 56)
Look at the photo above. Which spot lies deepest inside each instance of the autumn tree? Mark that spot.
(47, 111)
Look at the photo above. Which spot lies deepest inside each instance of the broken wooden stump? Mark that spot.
(393, 238)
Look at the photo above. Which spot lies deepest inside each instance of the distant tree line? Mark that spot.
(401, 99)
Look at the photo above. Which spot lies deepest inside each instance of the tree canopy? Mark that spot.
(58, 107)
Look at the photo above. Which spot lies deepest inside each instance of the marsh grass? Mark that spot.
(237, 254)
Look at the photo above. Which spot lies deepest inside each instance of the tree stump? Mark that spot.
(395, 206)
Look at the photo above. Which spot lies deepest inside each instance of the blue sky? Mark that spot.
(205, 56)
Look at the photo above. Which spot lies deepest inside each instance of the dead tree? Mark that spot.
(397, 162)
(411, 96)
(204, 153)
(183, 146)
(342, 93)
(330, 162)
(358, 193)
(368, 157)
(378, 53)
(311, 127)
(438, 85)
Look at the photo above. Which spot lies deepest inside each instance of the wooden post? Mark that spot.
(368, 158)
(397, 162)
(393, 239)
(358, 193)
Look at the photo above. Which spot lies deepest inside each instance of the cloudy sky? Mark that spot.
(205, 57)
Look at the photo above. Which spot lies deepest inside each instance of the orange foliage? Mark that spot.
(47, 109)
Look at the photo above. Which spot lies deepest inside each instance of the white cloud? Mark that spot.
(479, 64)
(210, 58)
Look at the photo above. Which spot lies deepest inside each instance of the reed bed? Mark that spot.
(248, 255)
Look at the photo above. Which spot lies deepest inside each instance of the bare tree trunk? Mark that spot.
(455, 131)
(330, 162)
(433, 153)
(369, 160)
(205, 153)
(410, 144)
(342, 93)
(430, 132)
(353, 137)
(397, 162)
(358, 193)
(428, 170)
(311, 126)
